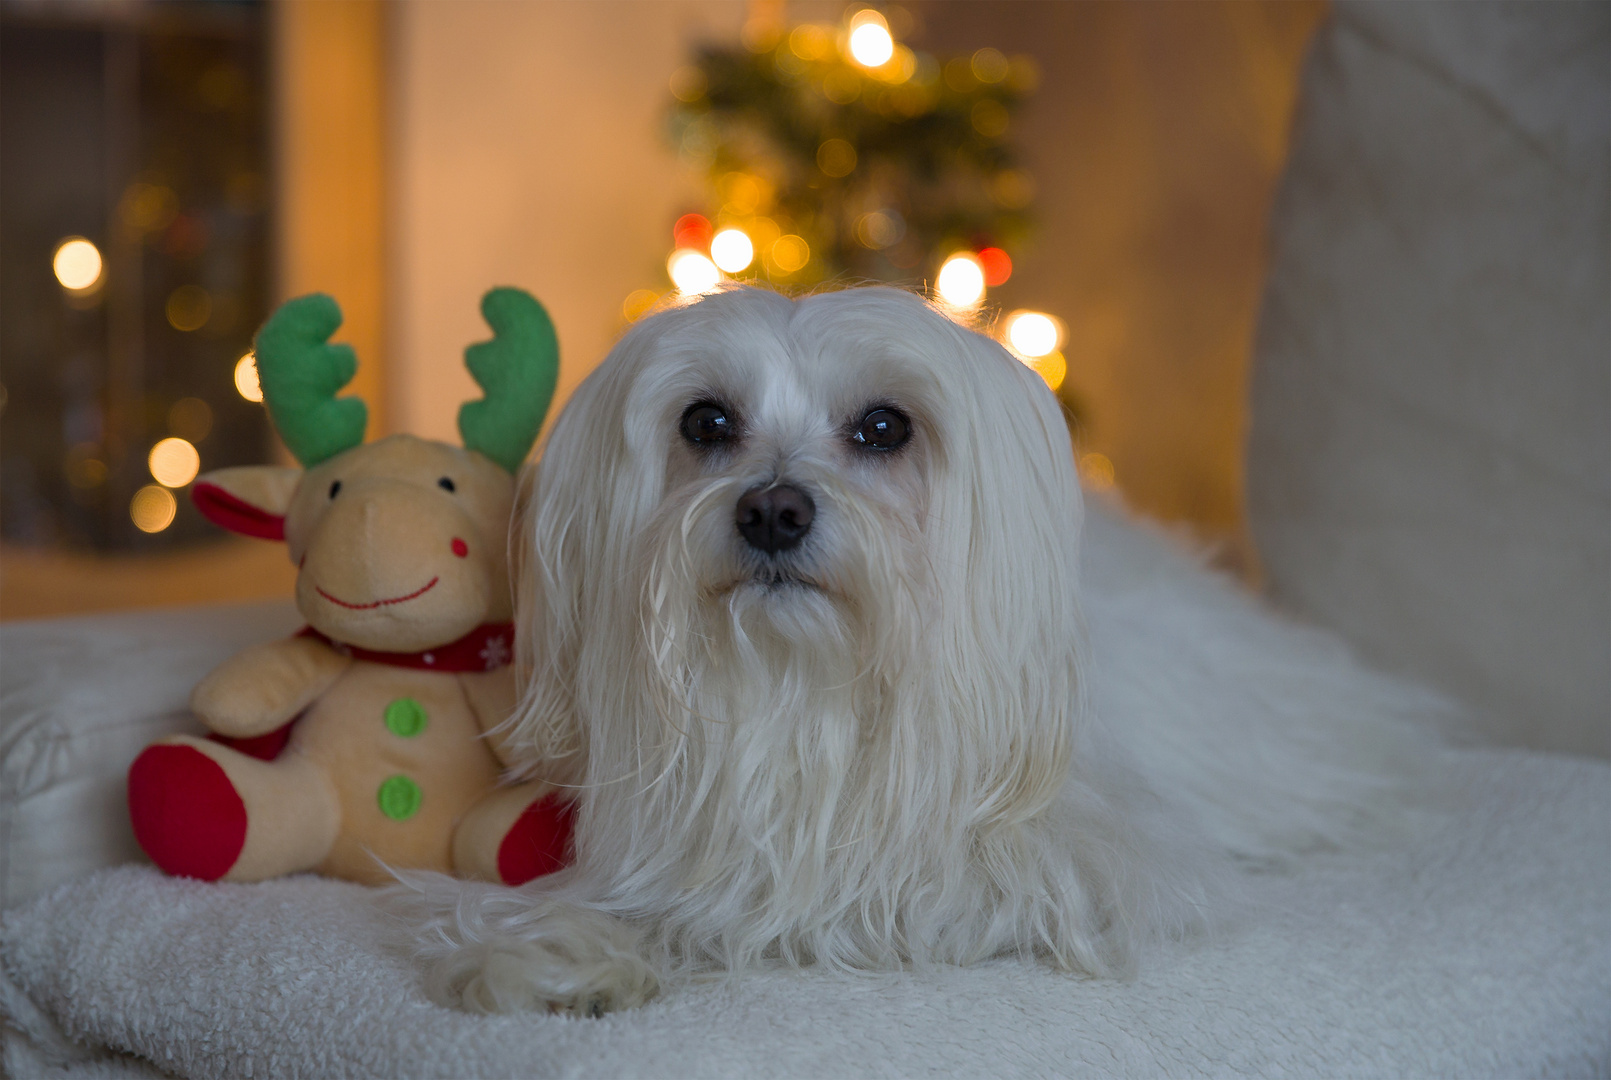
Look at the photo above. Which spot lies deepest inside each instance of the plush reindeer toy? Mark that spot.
(363, 739)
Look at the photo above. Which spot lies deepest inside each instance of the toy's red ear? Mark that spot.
(251, 500)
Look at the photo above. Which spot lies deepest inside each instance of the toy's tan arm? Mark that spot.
(258, 690)
(492, 698)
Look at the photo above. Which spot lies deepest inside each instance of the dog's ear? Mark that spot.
(567, 574)
(1008, 498)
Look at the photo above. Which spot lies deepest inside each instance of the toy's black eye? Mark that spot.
(706, 423)
(335, 489)
(882, 429)
(446, 484)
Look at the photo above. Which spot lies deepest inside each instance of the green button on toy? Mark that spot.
(399, 798)
(405, 717)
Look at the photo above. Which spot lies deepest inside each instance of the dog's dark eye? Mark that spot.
(446, 484)
(335, 489)
(706, 423)
(882, 429)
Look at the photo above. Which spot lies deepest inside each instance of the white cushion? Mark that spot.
(79, 698)
(1430, 457)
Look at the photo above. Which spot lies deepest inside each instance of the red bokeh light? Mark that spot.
(997, 266)
(692, 231)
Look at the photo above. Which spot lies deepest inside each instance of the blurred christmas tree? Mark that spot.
(838, 154)
(841, 153)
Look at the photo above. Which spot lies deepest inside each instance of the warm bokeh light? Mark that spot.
(77, 264)
(790, 253)
(731, 250)
(174, 462)
(84, 467)
(638, 303)
(989, 118)
(989, 66)
(871, 44)
(1033, 333)
(901, 67)
(1096, 472)
(810, 41)
(1052, 367)
(691, 231)
(246, 383)
(188, 308)
(997, 266)
(961, 282)
(152, 508)
(692, 272)
(880, 229)
(688, 83)
(836, 158)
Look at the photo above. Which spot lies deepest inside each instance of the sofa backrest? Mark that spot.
(1430, 453)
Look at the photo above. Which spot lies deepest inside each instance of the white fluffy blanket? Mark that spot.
(1480, 947)
(1479, 951)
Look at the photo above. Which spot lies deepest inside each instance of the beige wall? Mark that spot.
(528, 150)
(1157, 138)
(330, 161)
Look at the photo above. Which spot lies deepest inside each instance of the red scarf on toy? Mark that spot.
(488, 647)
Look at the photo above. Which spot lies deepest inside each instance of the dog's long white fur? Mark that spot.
(890, 759)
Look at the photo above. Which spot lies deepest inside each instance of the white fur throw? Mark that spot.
(1480, 951)
(1482, 947)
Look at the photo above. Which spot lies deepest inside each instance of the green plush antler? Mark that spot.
(517, 371)
(300, 374)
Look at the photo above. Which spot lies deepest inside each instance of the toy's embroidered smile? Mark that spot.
(427, 587)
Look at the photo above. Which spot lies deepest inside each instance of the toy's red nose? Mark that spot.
(460, 548)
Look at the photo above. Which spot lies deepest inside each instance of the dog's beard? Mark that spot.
(759, 798)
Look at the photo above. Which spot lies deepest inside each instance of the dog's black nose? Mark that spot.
(775, 519)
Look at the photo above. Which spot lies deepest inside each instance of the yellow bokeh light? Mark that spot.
(1052, 367)
(688, 83)
(810, 42)
(989, 118)
(188, 308)
(731, 250)
(246, 383)
(638, 303)
(871, 44)
(174, 462)
(790, 253)
(741, 193)
(880, 229)
(899, 68)
(84, 467)
(989, 66)
(152, 508)
(961, 281)
(1033, 333)
(77, 264)
(692, 272)
(836, 158)
(1096, 472)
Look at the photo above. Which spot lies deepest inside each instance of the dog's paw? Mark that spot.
(524, 976)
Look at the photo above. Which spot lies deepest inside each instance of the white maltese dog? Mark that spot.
(800, 620)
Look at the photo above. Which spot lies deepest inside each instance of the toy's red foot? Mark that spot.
(539, 842)
(187, 815)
